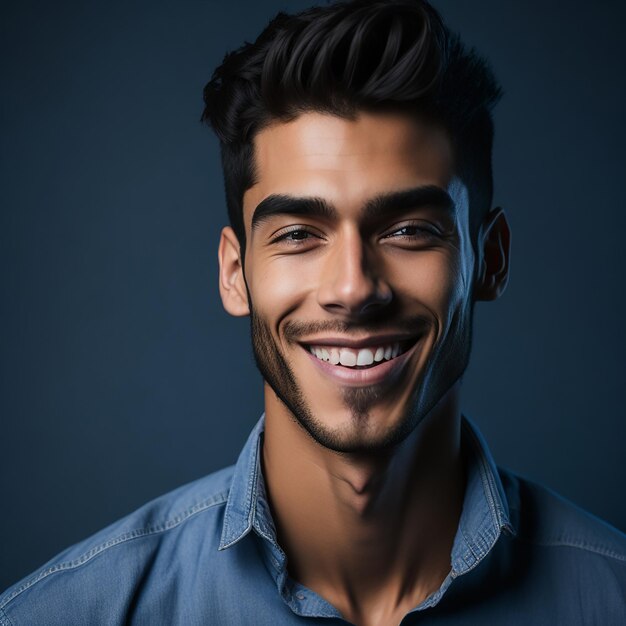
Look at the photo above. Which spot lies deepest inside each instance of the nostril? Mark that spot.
(376, 302)
(368, 307)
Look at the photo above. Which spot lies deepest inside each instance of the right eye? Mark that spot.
(295, 235)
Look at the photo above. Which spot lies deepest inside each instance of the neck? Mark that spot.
(372, 533)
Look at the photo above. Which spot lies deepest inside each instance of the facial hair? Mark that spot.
(278, 374)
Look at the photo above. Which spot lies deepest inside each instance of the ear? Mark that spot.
(232, 284)
(493, 247)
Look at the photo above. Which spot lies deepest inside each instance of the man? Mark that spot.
(356, 143)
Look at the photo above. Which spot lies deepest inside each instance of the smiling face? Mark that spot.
(359, 272)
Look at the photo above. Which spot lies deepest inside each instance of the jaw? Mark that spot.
(375, 408)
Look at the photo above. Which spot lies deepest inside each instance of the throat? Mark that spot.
(364, 497)
(355, 526)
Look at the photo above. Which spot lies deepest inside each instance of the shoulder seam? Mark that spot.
(580, 546)
(217, 499)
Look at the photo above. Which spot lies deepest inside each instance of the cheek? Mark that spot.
(434, 280)
(279, 285)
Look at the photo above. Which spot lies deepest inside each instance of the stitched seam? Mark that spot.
(469, 550)
(469, 546)
(566, 544)
(251, 492)
(249, 498)
(226, 527)
(4, 618)
(133, 534)
(486, 479)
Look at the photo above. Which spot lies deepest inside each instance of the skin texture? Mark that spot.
(365, 475)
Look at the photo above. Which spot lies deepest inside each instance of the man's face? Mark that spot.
(359, 271)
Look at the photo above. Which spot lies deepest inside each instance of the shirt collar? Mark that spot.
(244, 490)
(484, 516)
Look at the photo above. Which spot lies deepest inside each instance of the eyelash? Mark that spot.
(284, 236)
(421, 232)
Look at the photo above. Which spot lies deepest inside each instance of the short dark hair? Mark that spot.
(346, 57)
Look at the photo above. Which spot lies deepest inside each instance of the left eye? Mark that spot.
(406, 231)
(411, 230)
(296, 235)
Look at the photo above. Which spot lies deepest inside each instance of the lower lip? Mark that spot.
(362, 377)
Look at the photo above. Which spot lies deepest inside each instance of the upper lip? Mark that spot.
(363, 342)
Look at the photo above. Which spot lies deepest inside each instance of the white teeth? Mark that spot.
(365, 357)
(347, 357)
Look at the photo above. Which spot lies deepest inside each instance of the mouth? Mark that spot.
(361, 358)
(365, 364)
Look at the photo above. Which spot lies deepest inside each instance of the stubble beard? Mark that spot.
(358, 400)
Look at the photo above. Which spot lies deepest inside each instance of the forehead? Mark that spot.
(348, 161)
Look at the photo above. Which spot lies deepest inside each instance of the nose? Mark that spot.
(352, 281)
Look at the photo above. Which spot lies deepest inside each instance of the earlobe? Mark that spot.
(231, 280)
(493, 247)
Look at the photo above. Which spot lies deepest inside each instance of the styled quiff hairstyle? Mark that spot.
(346, 57)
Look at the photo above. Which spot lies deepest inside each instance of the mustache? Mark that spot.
(293, 330)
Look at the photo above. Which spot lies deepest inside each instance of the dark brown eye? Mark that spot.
(297, 235)
(407, 231)
(412, 231)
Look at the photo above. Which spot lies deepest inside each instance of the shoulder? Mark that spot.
(114, 559)
(546, 518)
(569, 561)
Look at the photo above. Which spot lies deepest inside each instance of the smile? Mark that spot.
(359, 358)
(365, 364)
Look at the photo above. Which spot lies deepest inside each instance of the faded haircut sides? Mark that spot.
(346, 57)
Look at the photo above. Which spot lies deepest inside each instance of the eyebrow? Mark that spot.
(278, 204)
(415, 198)
(392, 202)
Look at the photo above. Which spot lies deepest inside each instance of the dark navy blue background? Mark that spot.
(121, 376)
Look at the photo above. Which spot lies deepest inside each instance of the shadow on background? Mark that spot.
(121, 375)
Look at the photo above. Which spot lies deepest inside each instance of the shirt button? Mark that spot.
(300, 596)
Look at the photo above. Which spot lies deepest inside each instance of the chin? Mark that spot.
(359, 426)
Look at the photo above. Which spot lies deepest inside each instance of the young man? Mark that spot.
(356, 142)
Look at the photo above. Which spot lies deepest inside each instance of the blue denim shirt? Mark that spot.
(207, 553)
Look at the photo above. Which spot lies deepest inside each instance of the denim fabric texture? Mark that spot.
(207, 554)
